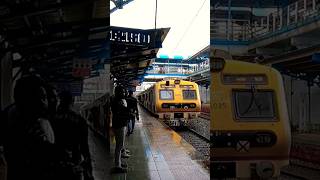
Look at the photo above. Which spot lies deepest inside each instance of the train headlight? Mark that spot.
(265, 169)
(192, 105)
(165, 105)
(216, 64)
(265, 138)
(185, 107)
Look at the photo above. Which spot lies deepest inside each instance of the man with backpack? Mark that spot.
(120, 118)
(134, 113)
(71, 132)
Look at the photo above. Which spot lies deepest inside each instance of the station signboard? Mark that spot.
(131, 36)
(138, 37)
(81, 68)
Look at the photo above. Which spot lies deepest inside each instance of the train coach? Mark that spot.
(173, 101)
(250, 131)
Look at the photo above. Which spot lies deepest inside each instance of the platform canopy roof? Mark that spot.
(133, 53)
(56, 37)
(50, 34)
(199, 57)
(301, 62)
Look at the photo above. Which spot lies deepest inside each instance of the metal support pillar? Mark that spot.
(309, 105)
(6, 80)
(109, 90)
(229, 21)
(6, 99)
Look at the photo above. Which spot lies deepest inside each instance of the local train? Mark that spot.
(250, 130)
(174, 101)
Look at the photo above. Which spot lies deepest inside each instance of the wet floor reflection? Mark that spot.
(176, 152)
(157, 153)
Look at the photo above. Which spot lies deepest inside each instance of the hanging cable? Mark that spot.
(155, 24)
(155, 15)
(191, 22)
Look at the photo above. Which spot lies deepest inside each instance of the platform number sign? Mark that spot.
(81, 68)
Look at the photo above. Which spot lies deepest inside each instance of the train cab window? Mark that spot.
(254, 105)
(166, 94)
(189, 94)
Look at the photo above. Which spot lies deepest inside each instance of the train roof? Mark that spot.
(234, 66)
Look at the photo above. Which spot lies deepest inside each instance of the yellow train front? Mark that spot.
(173, 101)
(250, 132)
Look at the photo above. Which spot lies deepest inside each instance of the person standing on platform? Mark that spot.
(52, 97)
(134, 113)
(120, 117)
(29, 138)
(71, 132)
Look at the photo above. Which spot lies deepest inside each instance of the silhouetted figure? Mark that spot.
(71, 132)
(134, 113)
(29, 147)
(52, 97)
(120, 117)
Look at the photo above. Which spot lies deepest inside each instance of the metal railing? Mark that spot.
(192, 68)
(169, 70)
(230, 29)
(291, 16)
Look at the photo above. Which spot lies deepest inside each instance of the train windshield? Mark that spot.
(254, 105)
(189, 94)
(166, 94)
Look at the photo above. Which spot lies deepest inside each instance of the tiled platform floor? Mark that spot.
(158, 153)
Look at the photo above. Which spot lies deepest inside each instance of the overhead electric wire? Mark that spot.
(155, 24)
(191, 22)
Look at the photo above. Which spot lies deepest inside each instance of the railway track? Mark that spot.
(200, 143)
(297, 170)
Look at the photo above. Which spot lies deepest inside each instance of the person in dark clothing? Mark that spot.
(52, 97)
(71, 132)
(134, 113)
(29, 143)
(120, 117)
(59, 169)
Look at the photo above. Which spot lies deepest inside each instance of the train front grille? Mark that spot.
(178, 115)
(179, 105)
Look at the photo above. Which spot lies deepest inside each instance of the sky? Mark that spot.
(189, 21)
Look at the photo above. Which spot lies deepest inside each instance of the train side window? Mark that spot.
(254, 106)
(166, 94)
(189, 94)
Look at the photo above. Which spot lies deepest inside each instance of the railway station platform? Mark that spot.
(157, 153)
